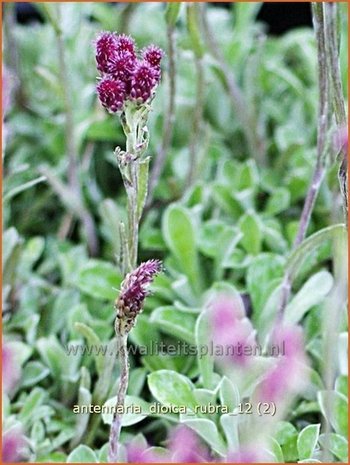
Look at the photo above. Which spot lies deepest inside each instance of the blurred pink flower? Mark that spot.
(10, 369)
(13, 446)
(245, 455)
(288, 375)
(185, 447)
(232, 330)
(140, 454)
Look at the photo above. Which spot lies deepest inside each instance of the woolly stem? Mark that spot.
(319, 169)
(123, 386)
(133, 125)
(332, 44)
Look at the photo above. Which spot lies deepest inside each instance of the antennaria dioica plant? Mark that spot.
(127, 88)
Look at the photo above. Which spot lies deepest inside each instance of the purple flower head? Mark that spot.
(121, 66)
(134, 290)
(153, 55)
(106, 47)
(111, 94)
(13, 446)
(232, 330)
(143, 81)
(125, 44)
(117, 60)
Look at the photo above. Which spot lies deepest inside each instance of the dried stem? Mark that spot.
(159, 161)
(319, 171)
(255, 141)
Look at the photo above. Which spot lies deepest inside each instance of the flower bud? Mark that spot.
(143, 82)
(106, 47)
(125, 44)
(111, 94)
(153, 55)
(121, 66)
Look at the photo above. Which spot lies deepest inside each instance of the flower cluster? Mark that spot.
(134, 290)
(124, 74)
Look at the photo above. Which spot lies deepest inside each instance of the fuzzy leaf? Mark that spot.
(307, 441)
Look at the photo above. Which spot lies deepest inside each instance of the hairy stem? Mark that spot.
(332, 44)
(133, 125)
(132, 212)
(159, 162)
(334, 312)
(322, 128)
(123, 386)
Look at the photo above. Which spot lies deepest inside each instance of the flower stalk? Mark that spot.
(127, 87)
(324, 119)
(332, 36)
